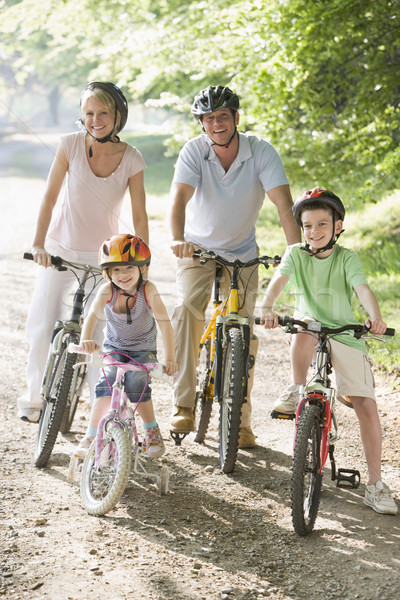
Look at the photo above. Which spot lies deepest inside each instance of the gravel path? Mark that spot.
(213, 536)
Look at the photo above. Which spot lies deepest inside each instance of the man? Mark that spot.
(220, 181)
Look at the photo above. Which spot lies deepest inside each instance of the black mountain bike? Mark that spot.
(62, 384)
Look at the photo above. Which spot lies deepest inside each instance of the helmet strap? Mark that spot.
(225, 145)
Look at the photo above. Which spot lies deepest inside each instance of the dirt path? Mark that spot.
(213, 536)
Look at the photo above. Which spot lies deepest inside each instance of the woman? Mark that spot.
(98, 169)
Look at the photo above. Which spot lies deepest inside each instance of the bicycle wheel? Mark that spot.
(306, 478)
(56, 398)
(232, 380)
(204, 393)
(102, 486)
(73, 397)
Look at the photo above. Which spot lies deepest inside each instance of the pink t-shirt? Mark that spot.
(91, 205)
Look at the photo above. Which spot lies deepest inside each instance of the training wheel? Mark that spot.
(163, 481)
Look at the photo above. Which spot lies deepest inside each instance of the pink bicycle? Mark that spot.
(107, 466)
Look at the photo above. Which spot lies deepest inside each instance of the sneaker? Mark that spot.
(287, 402)
(379, 498)
(182, 420)
(84, 445)
(29, 415)
(247, 439)
(153, 443)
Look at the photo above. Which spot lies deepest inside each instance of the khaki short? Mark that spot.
(353, 373)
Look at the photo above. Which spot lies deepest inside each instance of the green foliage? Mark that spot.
(160, 168)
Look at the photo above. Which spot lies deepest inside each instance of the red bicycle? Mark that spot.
(314, 439)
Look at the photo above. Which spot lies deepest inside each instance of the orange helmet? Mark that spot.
(124, 249)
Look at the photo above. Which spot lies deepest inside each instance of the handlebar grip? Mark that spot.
(257, 320)
(390, 331)
(56, 261)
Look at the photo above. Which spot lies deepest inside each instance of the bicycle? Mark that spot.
(107, 465)
(62, 385)
(314, 418)
(224, 360)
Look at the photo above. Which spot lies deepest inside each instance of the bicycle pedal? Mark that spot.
(177, 437)
(284, 416)
(349, 478)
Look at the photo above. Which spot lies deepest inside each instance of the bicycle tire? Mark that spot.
(56, 398)
(203, 400)
(232, 380)
(102, 486)
(73, 397)
(306, 478)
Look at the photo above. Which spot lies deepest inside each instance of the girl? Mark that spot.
(129, 303)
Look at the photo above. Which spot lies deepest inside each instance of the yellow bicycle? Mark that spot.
(224, 359)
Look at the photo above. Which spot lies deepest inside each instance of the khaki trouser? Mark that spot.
(194, 286)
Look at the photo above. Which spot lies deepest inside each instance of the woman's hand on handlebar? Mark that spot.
(182, 249)
(269, 318)
(89, 346)
(41, 256)
(170, 367)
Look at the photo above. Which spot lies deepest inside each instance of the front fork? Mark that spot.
(221, 341)
(324, 401)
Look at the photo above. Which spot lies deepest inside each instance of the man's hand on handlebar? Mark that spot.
(182, 249)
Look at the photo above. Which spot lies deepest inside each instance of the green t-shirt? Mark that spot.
(324, 286)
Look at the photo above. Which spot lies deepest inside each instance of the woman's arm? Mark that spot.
(138, 206)
(55, 180)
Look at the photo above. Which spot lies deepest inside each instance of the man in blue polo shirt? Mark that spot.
(220, 181)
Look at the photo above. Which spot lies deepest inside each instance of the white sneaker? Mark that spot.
(379, 498)
(287, 402)
(29, 415)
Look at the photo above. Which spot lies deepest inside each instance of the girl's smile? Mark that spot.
(125, 277)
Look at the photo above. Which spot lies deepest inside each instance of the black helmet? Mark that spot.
(116, 94)
(320, 196)
(213, 98)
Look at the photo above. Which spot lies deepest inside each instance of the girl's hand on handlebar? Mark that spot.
(376, 326)
(269, 318)
(41, 256)
(170, 367)
(89, 346)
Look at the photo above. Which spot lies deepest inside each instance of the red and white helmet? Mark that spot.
(320, 196)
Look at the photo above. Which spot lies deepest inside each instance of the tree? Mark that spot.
(319, 79)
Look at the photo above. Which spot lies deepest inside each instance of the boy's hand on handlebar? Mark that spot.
(170, 367)
(269, 318)
(182, 249)
(376, 326)
(89, 346)
(41, 256)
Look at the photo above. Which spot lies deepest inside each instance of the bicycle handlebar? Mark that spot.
(206, 255)
(62, 265)
(100, 359)
(56, 261)
(316, 327)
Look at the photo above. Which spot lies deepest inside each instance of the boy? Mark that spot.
(324, 275)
